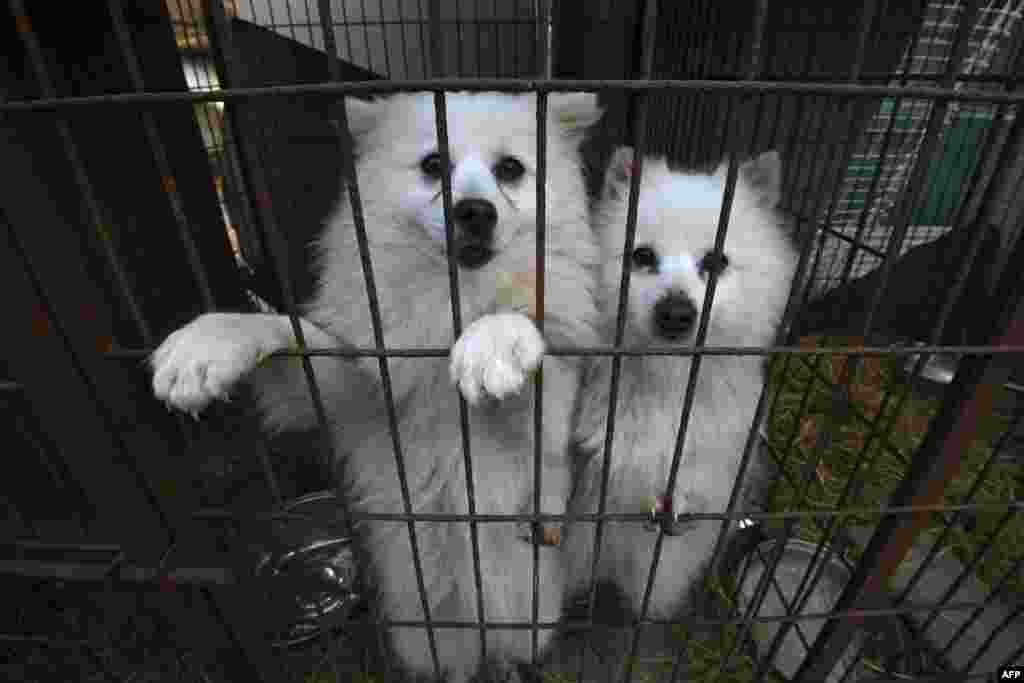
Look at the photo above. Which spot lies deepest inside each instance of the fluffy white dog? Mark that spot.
(678, 216)
(492, 141)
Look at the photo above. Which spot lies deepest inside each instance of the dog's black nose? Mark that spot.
(476, 218)
(674, 316)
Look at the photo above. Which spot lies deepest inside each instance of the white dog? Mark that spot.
(492, 142)
(677, 219)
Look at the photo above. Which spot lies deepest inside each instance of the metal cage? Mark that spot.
(156, 151)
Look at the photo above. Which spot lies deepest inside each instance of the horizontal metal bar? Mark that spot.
(700, 623)
(515, 85)
(27, 639)
(89, 571)
(632, 351)
(937, 678)
(622, 516)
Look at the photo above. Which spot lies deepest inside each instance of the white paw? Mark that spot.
(495, 356)
(203, 360)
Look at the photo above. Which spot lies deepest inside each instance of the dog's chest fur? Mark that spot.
(648, 415)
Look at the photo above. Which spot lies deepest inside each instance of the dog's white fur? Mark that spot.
(491, 360)
(678, 216)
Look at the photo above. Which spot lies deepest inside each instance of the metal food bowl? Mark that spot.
(889, 641)
(795, 561)
(309, 571)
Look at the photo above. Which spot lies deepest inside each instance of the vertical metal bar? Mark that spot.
(993, 595)
(437, 54)
(402, 27)
(270, 12)
(968, 570)
(421, 23)
(544, 37)
(640, 104)
(366, 34)
(849, 370)
(358, 220)
(914, 188)
(517, 70)
(1010, 618)
(218, 614)
(384, 39)
(441, 115)
(160, 156)
(937, 460)
(979, 480)
(791, 310)
(219, 29)
(109, 422)
(764, 665)
(309, 24)
(691, 385)
(348, 31)
(951, 298)
(290, 17)
(34, 51)
(759, 23)
(35, 54)
(496, 47)
(177, 209)
(538, 394)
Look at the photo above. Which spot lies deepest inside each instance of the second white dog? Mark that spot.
(673, 257)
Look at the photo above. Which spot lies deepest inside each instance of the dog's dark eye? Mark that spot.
(509, 169)
(431, 165)
(713, 262)
(644, 257)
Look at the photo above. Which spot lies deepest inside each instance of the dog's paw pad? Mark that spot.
(495, 356)
(200, 362)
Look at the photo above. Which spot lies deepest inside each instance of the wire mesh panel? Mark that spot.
(878, 173)
(872, 531)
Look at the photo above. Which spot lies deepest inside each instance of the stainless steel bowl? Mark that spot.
(308, 569)
(781, 593)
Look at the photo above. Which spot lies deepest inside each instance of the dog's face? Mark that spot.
(492, 141)
(673, 256)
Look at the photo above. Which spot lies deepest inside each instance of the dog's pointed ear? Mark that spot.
(575, 112)
(620, 171)
(762, 179)
(363, 115)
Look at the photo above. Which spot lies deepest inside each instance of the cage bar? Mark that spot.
(942, 91)
(441, 116)
(936, 460)
(109, 423)
(538, 394)
(518, 85)
(177, 209)
(952, 297)
(639, 103)
(759, 22)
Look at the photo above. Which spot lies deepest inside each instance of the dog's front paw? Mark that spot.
(203, 360)
(495, 356)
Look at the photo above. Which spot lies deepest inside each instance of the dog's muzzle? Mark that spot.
(475, 219)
